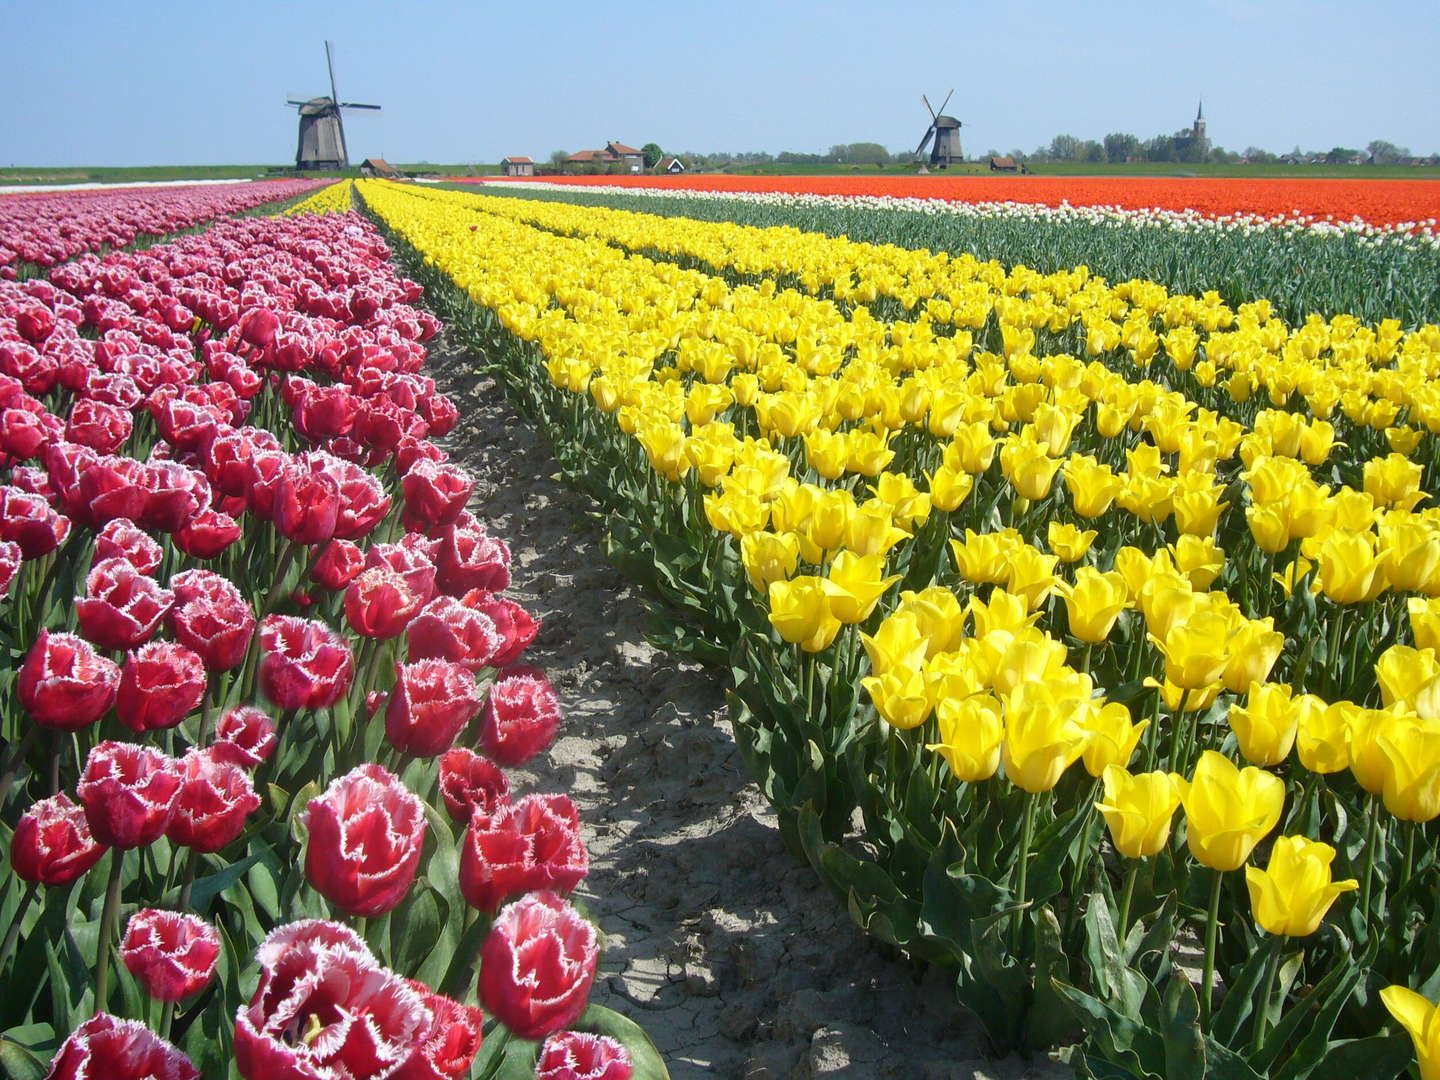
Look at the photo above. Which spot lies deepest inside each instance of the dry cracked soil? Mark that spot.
(728, 951)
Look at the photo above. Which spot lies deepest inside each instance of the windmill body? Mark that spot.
(942, 136)
(321, 144)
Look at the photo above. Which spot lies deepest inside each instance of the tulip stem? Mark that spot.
(13, 934)
(1207, 976)
(192, 863)
(1027, 832)
(1126, 898)
(1267, 991)
(108, 916)
(1371, 826)
(287, 556)
(167, 1018)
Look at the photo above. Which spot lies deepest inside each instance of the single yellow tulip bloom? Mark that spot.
(1137, 809)
(1228, 810)
(970, 734)
(1422, 1020)
(1293, 893)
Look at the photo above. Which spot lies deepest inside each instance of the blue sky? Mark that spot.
(169, 82)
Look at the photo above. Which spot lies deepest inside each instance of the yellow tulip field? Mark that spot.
(1085, 634)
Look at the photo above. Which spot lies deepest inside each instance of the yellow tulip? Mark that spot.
(1350, 570)
(1002, 610)
(1178, 697)
(1228, 810)
(1068, 542)
(1412, 556)
(1092, 486)
(1293, 893)
(1031, 575)
(1403, 672)
(949, 488)
(1393, 481)
(827, 452)
(1422, 1020)
(981, 558)
(972, 448)
(872, 531)
(1198, 512)
(938, 616)
(1137, 809)
(1029, 469)
(1322, 735)
(1196, 650)
(970, 734)
(1265, 726)
(769, 556)
(1254, 649)
(1042, 737)
(1015, 659)
(800, 612)
(897, 644)
(1269, 528)
(1113, 736)
(1411, 752)
(899, 697)
(1093, 603)
(857, 585)
(1424, 621)
(1200, 560)
(1368, 763)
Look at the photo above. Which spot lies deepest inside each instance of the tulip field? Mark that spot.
(1079, 617)
(261, 682)
(1081, 629)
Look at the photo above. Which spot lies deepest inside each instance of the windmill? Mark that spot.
(322, 134)
(945, 130)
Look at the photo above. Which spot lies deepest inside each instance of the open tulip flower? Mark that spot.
(530, 844)
(1228, 810)
(121, 607)
(214, 800)
(1421, 1020)
(366, 833)
(430, 703)
(171, 954)
(65, 684)
(118, 1050)
(521, 716)
(306, 665)
(52, 844)
(1293, 893)
(128, 793)
(537, 964)
(579, 1055)
(471, 784)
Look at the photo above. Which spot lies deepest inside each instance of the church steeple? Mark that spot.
(1200, 112)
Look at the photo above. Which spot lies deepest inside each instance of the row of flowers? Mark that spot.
(288, 645)
(1200, 613)
(45, 229)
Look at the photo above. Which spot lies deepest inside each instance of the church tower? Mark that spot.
(1200, 122)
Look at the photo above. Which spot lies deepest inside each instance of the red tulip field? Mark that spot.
(628, 631)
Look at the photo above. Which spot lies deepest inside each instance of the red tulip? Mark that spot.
(104, 1046)
(446, 629)
(447, 1048)
(432, 700)
(207, 534)
(159, 686)
(516, 625)
(52, 844)
(338, 565)
(23, 432)
(305, 506)
(121, 607)
(174, 494)
(530, 844)
(306, 665)
(27, 519)
(172, 955)
(366, 833)
(579, 1055)
(129, 793)
(324, 412)
(258, 327)
(471, 784)
(522, 715)
(10, 558)
(363, 502)
(469, 559)
(434, 494)
(324, 1009)
(215, 798)
(98, 425)
(410, 559)
(537, 965)
(212, 619)
(65, 684)
(123, 540)
(378, 604)
(244, 736)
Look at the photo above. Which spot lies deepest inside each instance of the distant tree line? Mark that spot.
(1121, 147)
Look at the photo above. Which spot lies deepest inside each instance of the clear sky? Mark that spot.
(149, 82)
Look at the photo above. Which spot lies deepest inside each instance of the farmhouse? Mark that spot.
(627, 157)
(517, 166)
(1003, 164)
(376, 166)
(670, 165)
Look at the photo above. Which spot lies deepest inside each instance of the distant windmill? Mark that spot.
(945, 130)
(322, 135)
